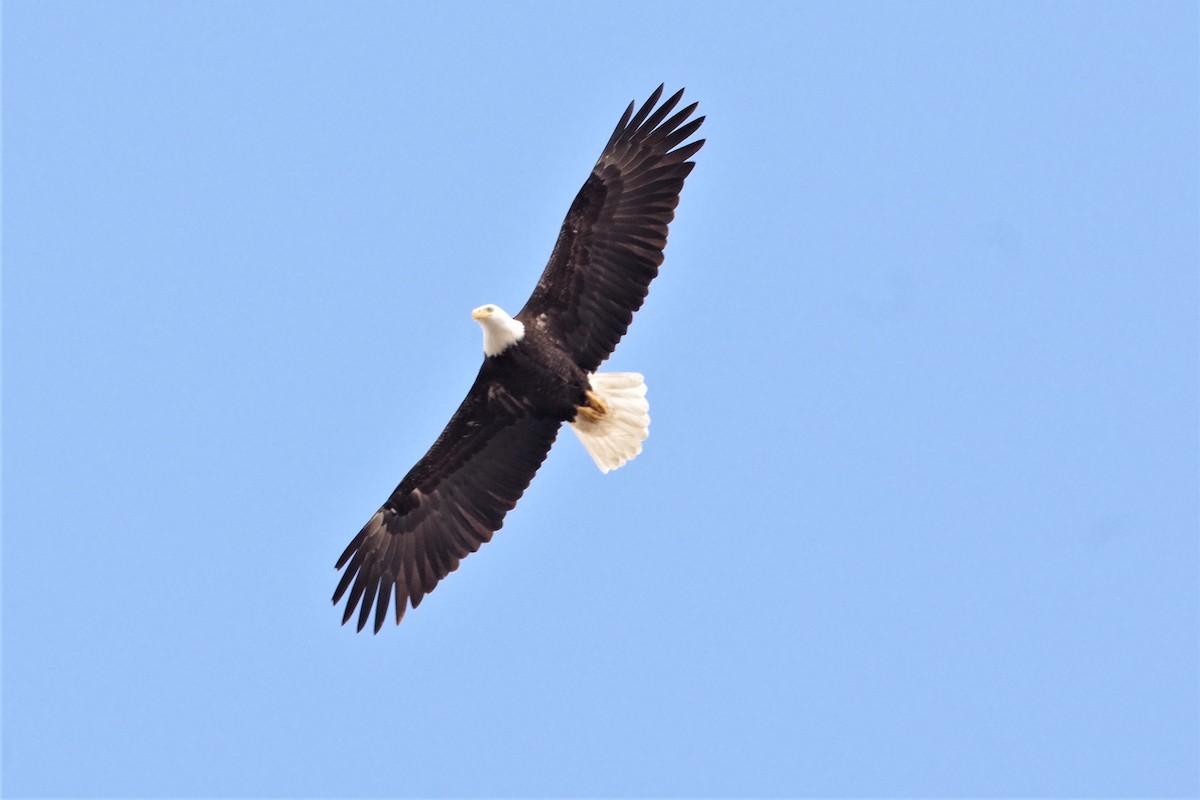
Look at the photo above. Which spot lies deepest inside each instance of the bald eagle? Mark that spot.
(539, 371)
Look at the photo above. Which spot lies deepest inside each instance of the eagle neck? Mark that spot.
(501, 333)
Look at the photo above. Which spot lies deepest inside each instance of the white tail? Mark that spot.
(617, 436)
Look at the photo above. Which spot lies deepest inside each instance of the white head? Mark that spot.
(500, 331)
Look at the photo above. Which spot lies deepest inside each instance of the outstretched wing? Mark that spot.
(611, 244)
(449, 504)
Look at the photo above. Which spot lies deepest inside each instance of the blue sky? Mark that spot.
(918, 513)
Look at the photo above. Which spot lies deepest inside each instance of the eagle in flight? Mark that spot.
(539, 371)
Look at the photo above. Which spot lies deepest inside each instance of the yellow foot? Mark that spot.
(595, 409)
(596, 403)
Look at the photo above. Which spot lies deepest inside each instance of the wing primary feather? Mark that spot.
(387, 580)
(411, 556)
(343, 584)
(419, 547)
(447, 554)
(661, 112)
(352, 600)
(687, 151)
(432, 557)
(636, 123)
(353, 546)
(678, 136)
(401, 564)
(370, 590)
(617, 131)
(431, 576)
(401, 600)
(353, 568)
(381, 607)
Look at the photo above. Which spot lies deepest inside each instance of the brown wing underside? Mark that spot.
(611, 244)
(450, 503)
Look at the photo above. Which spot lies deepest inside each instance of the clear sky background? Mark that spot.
(918, 513)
